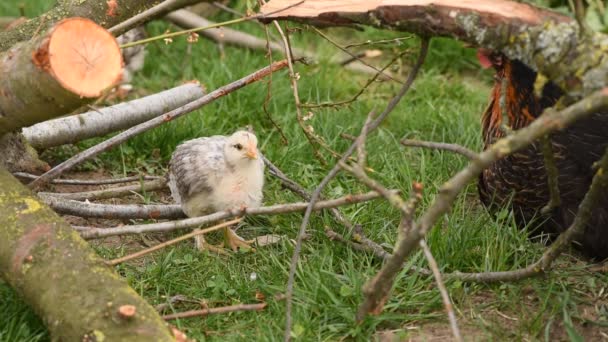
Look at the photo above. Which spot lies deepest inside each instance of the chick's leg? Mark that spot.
(202, 245)
(235, 242)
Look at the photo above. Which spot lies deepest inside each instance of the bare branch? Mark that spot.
(114, 211)
(293, 77)
(447, 303)
(157, 121)
(95, 233)
(171, 242)
(317, 193)
(599, 185)
(26, 175)
(352, 55)
(360, 242)
(359, 93)
(548, 122)
(212, 311)
(440, 146)
(120, 191)
(99, 122)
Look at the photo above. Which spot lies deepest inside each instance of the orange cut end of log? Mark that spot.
(83, 57)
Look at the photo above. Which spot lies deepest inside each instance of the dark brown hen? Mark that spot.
(521, 180)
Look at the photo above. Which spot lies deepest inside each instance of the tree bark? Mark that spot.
(100, 122)
(78, 297)
(544, 40)
(56, 72)
(106, 13)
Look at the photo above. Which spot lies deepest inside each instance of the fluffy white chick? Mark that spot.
(217, 173)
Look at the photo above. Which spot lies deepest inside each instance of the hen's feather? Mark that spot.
(521, 180)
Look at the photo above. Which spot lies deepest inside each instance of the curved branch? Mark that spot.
(544, 40)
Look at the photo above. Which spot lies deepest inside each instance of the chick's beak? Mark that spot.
(251, 152)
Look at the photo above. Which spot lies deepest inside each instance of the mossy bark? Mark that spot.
(62, 278)
(546, 41)
(103, 12)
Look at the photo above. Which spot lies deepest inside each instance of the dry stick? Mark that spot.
(585, 210)
(361, 91)
(293, 77)
(95, 233)
(211, 311)
(381, 41)
(269, 91)
(120, 191)
(442, 289)
(552, 175)
(155, 122)
(202, 28)
(440, 146)
(89, 181)
(336, 169)
(113, 211)
(360, 242)
(548, 122)
(143, 252)
(326, 37)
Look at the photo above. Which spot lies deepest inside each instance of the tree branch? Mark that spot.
(157, 121)
(96, 233)
(99, 122)
(333, 172)
(112, 211)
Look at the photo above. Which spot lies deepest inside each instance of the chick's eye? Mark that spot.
(238, 147)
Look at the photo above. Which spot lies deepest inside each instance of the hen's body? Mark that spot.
(521, 180)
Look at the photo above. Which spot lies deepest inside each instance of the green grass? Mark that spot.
(444, 105)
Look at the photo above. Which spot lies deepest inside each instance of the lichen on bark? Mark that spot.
(80, 295)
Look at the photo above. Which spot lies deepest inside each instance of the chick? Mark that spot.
(217, 173)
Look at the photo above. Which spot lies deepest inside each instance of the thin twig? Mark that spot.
(143, 252)
(359, 93)
(213, 311)
(26, 175)
(95, 233)
(360, 242)
(293, 77)
(326, 37)
(552, 175)
(445, 296)
(317, 192)
(599, 185)
(440, 146)
(202, 28)
(120, 191)
(547, 123)
(157, 11)
(155, 122)
(375, 42)
(269, 91)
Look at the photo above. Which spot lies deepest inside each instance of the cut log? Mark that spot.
(56, 73)
(57, 273)
(100, 122)
(545, 40)
(106, 13)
